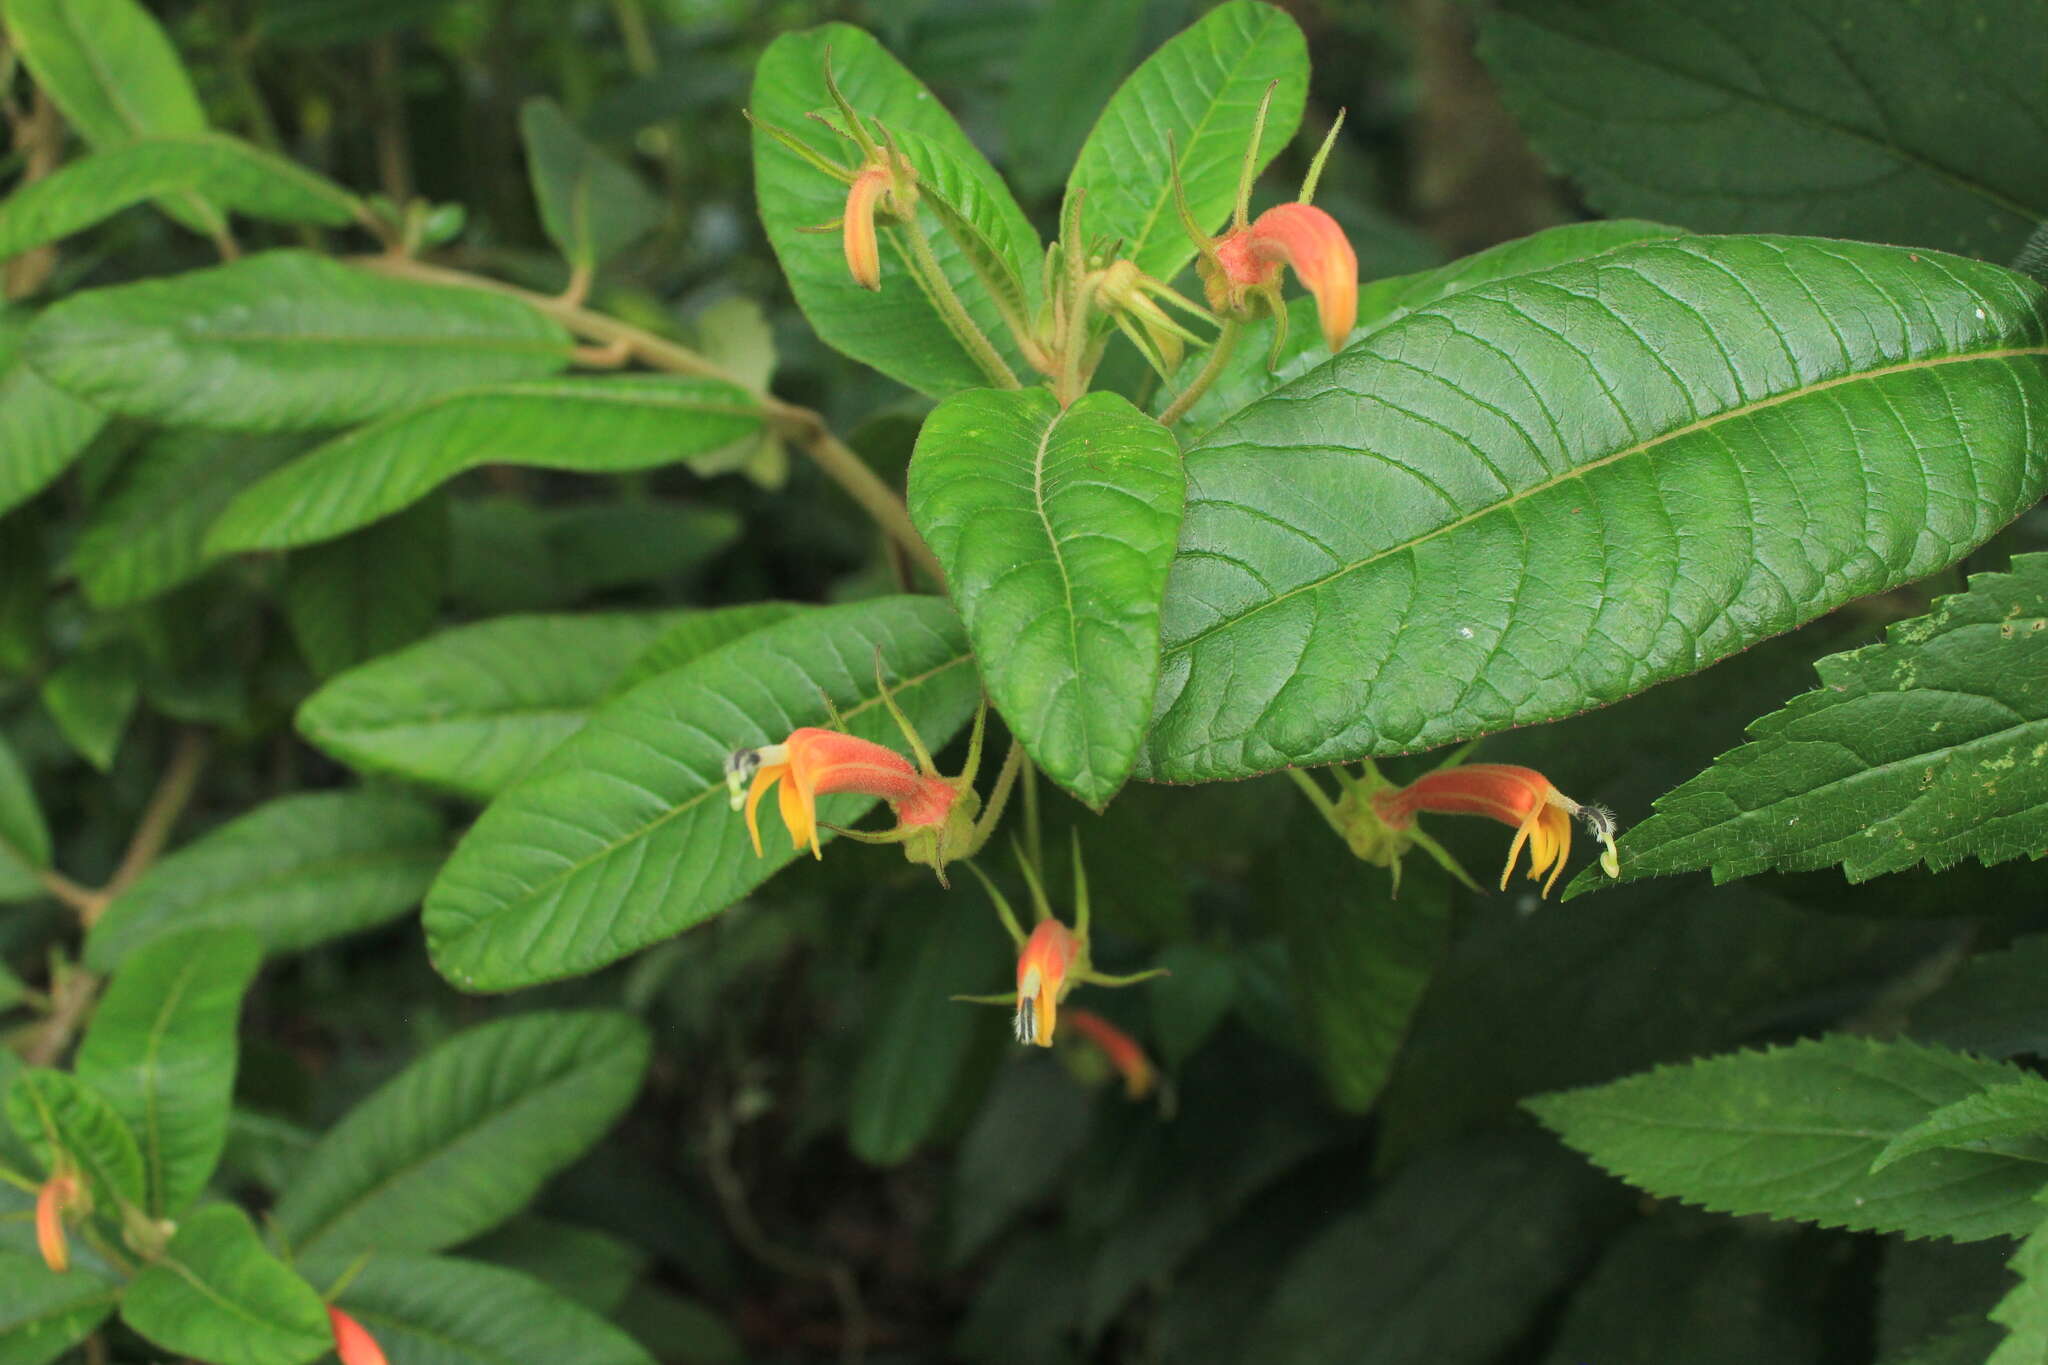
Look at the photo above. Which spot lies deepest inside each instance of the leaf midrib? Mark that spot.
(1059, 560)
(540, 889)
(1580, 471)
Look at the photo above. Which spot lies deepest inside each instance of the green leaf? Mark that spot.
(1792, 1133)
(147, 536)
(593, 1268)
(1447, 1265)
(24, 836)
(1078, 54)
(369, 592)
(225, 170)
(1358, 957)
(625, 838)
(1189, 108)
(1963, 1345)
(447, 1311)
(162, 1050)
(218, 1296)
(1887, 120)
(296, 871)
(92, 698)
(1927, 748)
(285, 341)
(1992, 1004)
(2013, 1117)
(2023, 1312)
(1204, 989)
(53, 1112)
(508, 554)
(1056, 529)
(45, 1314)
(697, 634)
(1252, 371)
(112, 71)
(590, 425)
(1680, 1295)
(897, 331)
(1468, 522)
(591, 206)
(474, 708)
(460, 1140)
(917, 1041)
(42, 428)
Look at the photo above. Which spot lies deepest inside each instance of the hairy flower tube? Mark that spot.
(1051, 960)
(857, 227)
(353, 1343)
(1122, 1051)
(1520, 798)
(58, 1195)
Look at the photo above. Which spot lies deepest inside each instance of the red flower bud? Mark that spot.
(352, 1343)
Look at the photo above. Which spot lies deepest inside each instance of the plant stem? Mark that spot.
(939, 290)
(803, 427)
(1219, 355)
(1325, 807)
(173, 792)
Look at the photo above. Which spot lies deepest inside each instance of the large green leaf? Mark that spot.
(53, 1112)
(217, 1295)
(113, 72)
(460, 1140)
(285, 341)
(2023, 1312)
(228, 171)
(510, 554)
(1252, 370)
(1890, 120)
(1358, 957)
(42, 428)
(24, 836)
(595, 1269)
(148, 535)
(917, 1040)
(474, 708)
(92, 698)
(297, 871)
(1792, 1133)
(897, 330)
(44, 1313)
(162, 1050)
(1930, 747)
(590, 205)
(1445, 1267)
(1545, 493)
(591, 425)
(1056, 529)
(2007, 1118)
(1993, 1004)
(697, 634)
(624, 838)
(1189, 108)
(442, 1310)
(369, 592)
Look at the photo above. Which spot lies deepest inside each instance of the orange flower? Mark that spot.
(58, 1193)
(1042, 980)
(1120, 1048)
(857, 228)
(352, 1343)
(1252, 257)
(1520, 798)
(817, 762)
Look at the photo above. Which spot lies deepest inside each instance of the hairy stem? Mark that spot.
(1219, 356)
(801, 426)
(939, 290)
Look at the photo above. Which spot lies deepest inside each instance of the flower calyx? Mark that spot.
(1241, 270)
(1052, 959)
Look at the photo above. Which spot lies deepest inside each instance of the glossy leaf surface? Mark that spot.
(1792, 1133)
(601, 426)
(218, 1295)
(625, 838)
(284, 341)
(1887, 120)
(474, 708)
(1543, 494)
(1930, 747)
(297, 871)
(1056, 529)
(1189, 108)
(896, 330)
(162, 1049)
(53, 1112)
(460, 1140)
